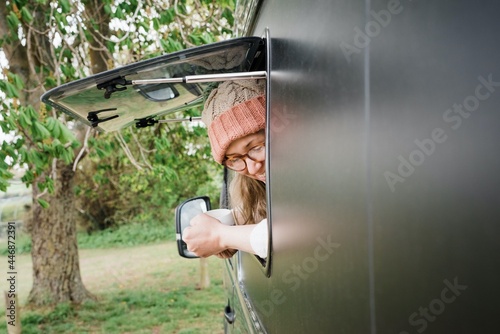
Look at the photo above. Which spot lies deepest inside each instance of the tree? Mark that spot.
(48, 43)
(45, 145)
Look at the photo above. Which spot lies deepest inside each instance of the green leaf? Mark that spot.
(57, 130)
(47, 149)
(119, 13)
(68, 70)
(54, 126)
(18, 144)
(28, 177)
(4, 125)
(65, 6)
(35, 159)
(6, 120)
(16, 81)
(49, 183)
(13, 21)
(50, 82)
(195, 38)
(58, 149)
(62, 22)
(66, 134)
(67, 54)
(9, 89)
(24, 120)
(44, 204)
(75, 144)
(164, 44)
(40, 131)
(144, 25)
(31, 113)
(156, 23)
(100, 153)
(107, 9)
(9, 150)
(3, 183)
(50, 123)
(181, 8)
(228, 15)
(167, 16)
(110, 46)
(173, 45)
(26, 15)
(207, 38)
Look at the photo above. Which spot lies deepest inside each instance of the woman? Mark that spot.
(235, 115)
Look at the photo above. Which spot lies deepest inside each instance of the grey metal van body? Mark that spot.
(384, 185)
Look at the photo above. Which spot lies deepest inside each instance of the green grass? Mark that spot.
(182, 310)
(141, 289)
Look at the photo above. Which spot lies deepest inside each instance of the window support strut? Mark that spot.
(204, 78)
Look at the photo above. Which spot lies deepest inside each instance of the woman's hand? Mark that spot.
(228, 253)
(204, 236)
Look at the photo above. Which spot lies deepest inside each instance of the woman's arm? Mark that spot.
(207, 236)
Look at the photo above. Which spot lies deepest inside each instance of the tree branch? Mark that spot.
(84, 149)
(125, 148)
(142, 150)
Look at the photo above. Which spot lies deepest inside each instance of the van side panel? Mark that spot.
(320, 267)
(435, 163)
(384, 168)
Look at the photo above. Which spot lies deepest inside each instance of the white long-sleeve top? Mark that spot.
(259, 239)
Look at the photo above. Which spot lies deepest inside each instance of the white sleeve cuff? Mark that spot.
(259, 239)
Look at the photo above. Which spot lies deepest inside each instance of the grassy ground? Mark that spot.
(142, 289)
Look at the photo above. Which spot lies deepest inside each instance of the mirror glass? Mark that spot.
(183, 215)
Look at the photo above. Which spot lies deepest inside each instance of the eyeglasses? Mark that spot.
(238, 163)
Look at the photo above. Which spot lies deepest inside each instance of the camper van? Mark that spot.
(382, 161)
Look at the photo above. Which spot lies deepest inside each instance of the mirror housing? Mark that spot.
(186, 211)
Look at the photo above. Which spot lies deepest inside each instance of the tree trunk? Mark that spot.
(56, 267)
(56, 271)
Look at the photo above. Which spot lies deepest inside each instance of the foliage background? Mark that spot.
(133, 176)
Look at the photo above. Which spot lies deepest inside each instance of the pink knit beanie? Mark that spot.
(233, 110)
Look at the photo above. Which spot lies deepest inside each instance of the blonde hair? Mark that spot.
(248, 197)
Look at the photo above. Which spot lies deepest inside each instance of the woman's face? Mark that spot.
(240, 147)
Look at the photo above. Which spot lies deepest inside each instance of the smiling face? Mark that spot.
(240, 147)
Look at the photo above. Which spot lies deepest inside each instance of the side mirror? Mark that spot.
(183, 215)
